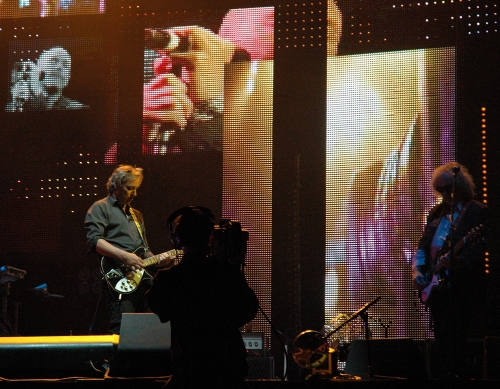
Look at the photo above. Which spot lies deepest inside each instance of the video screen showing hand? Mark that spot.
(184, 94)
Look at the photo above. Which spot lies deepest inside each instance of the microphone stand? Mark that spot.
(453, 227)
(363, 313)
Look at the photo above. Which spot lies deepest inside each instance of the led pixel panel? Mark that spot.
(390, 122)
(185, 61)
(208, 88)
(47, 8)
(248, 144)
(56, 74)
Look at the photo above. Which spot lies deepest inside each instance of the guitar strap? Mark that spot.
(131, 210)
(451, 228)
(454, 223)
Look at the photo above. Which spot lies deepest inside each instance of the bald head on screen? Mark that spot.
(42, 84)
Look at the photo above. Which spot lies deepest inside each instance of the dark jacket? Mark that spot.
(467, 265)
(206, 300)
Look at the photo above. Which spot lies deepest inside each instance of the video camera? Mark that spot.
(230, 242)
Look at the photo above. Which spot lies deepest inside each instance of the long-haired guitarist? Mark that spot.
(449, 265)
(116, 231)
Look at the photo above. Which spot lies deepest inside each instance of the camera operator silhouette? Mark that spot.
(206, 300)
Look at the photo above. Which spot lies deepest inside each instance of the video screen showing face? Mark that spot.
(57, 74)
(45, 8)
(185, 69)
(390, 122)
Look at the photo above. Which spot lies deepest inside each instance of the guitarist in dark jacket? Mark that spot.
(448, 266)
(116, 230)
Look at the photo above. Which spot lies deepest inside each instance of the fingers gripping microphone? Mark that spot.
(167, 40)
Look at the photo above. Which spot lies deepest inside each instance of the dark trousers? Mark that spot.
(451, 317)
(134, 302)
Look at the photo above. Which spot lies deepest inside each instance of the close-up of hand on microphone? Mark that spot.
(21, 93)
(202, 55)
(21, 78)
(166, 100)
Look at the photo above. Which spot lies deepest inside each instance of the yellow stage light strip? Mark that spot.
(484, 172)
(60, 339)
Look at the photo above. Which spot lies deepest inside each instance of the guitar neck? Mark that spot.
(474, 232)
(459, 245)
(169, 256)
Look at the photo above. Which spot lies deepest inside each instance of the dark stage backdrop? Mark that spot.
(316, 125)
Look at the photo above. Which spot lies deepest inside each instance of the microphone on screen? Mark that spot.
(169, 41)
(166, 40)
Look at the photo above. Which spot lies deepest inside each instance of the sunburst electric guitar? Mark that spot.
(437, 270)
(123, 280)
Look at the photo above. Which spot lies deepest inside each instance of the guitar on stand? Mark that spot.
(123, 280)
(310, 348)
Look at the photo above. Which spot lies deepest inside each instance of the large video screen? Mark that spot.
(55, 104)
(208, 90)
(185, 62)
(56, 74)
(46, 8)
(390, 122)
(248, 144)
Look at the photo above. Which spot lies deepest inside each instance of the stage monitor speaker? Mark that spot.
(56, 356)
(399, 358)
(144, 347)
(143, 332)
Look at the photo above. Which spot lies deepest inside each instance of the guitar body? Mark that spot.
(123, 281)
(436, 283)
(438, 275)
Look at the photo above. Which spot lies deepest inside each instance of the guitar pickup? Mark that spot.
(113, 273)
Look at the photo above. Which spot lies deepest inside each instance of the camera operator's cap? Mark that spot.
(189, 209)
(191, 226)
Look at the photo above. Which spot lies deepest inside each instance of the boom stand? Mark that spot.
(363, 313)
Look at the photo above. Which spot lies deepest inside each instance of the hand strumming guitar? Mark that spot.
(420, 274)
(132, 261)
(420, 279)
(442, 262)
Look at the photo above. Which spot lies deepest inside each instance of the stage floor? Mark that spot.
(161, 383)
(95, 362)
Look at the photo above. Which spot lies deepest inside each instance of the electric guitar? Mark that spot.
(122, 280)
(436, 267)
